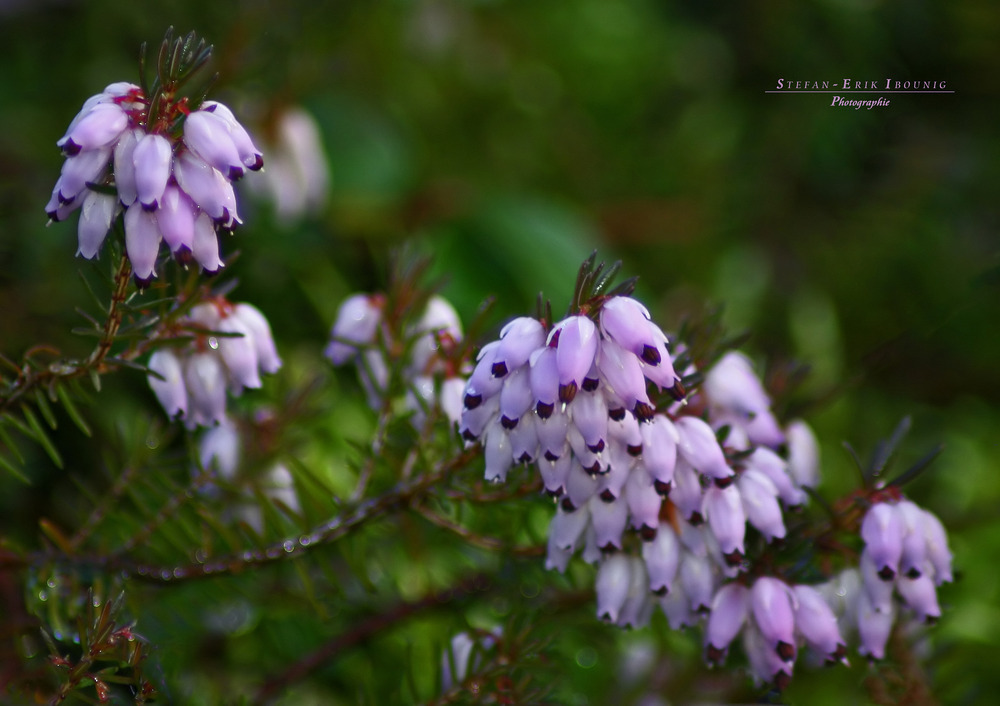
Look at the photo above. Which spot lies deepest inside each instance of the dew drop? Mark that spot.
(288, 546)
(586, 657)
(213, 343)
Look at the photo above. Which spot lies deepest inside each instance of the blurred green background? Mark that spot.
(510, 139)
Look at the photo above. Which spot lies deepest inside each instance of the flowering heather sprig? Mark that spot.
(170, 168)
(362, 334)
(231, 346)
(593, 402)
(906, 549)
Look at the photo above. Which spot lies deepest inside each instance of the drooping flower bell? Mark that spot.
(169, 168)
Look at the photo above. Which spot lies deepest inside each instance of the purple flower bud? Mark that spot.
(250, 156)
(209, 137)
(219, 447)
(88, 105)
(239, 354)
(518, 340)
(580, 488)
(732, 384)
(882, 531)
(544, 380)
(643, 504)
(170, 390)
(152, 158)
(611, 586)
(176, 217)
(474, 421)
(767, 666)
(760, 503)
(515, 396)
(95, 222)
(803, 454)
(260, 331)
(686, 492)
(676, 607)
(611, 485)
(659, 451)
(874, 626)
(815, 621)
(100, 127)
(638, 608)
(590, 416)
(566, 529)
(626, 431)
(142, 241)
(879, 590)
(662, 374)
(729, 612)
(698, 581)
(357, 321)
(920, 595)
(206, 186)
(625, 321)
(124, 166)
(622, 374)
(773, 605)
(452, 399)
(700, 448)
(762, 429)
(771, 465)
(592, 462)
(662, 555)
(205, 379)
(85, 168)
(609, 520)
(575, 340)
(497, 452)
(555, 473)
(557, 559)
(482, 383)
(914, 542)
(552, 434)
(205, 246)
(937, 547)
(524, 439)
(723, 509)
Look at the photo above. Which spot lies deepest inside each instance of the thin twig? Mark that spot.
(365, 630)
(491, 543)
(404, 495)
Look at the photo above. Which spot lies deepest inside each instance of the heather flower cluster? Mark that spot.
(694, 479)
(363, 334)
(230, 346)
(170, 169)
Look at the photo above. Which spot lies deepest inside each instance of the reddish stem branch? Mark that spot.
(365, 630)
